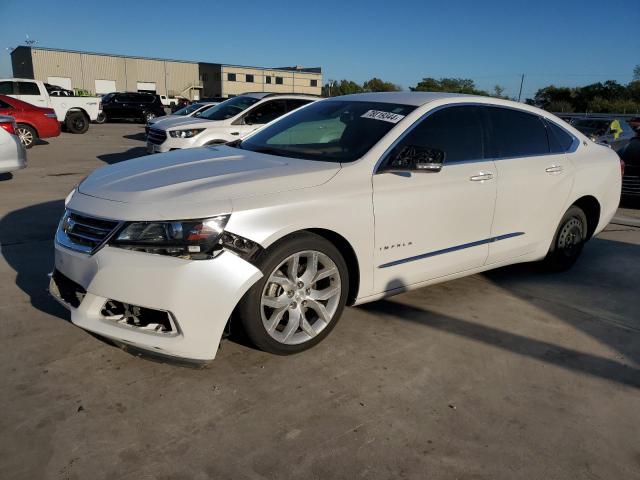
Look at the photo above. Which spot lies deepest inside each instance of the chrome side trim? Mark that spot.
(451, 249)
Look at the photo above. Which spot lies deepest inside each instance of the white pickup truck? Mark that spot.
(74, 113)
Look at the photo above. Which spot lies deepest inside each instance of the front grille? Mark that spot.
(631, 185)
(66, 289)
(156, 136)
(84, 233)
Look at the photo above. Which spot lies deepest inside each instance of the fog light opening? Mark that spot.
(142, 318)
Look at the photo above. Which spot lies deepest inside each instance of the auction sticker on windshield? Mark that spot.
(384, 116)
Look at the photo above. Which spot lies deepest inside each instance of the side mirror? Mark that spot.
(197, 114)
(414, 158)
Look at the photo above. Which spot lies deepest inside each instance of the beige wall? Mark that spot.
(170, 77)
(292, 81)
(57, 64)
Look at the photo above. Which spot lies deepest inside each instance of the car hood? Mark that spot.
(203, 175)
(189, 122)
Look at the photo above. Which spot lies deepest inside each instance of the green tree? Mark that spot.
(450, 85)
(377, 85)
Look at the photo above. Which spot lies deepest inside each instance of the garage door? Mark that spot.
(105, 86)
(147, 87)
(64, 82)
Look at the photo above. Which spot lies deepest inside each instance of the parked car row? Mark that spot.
(75, 113)
(227, 121)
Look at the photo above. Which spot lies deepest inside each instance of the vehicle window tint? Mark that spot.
(457, 131)
(559, 139)
(122, 98)
(293, 104)
(6, 88)
(267, 112)
(328, 131)
(4, 104)
(28, 88)
(515, 134)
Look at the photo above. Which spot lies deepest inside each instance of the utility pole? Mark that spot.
(520, 92)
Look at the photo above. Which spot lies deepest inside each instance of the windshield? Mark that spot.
(330, 131)
(188, 109)
(229, 108)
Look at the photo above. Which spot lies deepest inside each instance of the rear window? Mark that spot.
(28, 88)
(514, 133)
(560, 140)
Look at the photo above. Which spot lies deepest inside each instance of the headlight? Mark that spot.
(192, 132)
(192, 239)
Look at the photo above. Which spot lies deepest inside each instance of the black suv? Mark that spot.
(132, 106)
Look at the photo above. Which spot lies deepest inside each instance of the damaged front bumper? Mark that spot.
(163, 305)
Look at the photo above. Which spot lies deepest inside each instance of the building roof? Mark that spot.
(298, 69)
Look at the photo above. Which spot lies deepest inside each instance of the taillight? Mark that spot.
(621, 168)
(99, 105)
(9, 127)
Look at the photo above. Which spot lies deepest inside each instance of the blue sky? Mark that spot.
(560, 42)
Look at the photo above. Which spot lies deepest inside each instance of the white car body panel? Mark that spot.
(406, 231)
(13, 156)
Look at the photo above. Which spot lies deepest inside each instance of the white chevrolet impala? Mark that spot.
(343, 201)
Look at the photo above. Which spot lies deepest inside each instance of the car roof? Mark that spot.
(261, 95)
(406, 98)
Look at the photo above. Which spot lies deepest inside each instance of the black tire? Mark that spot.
(249, 308)
(77, 122)
(28, 135)
(101, 118)
(568, 241)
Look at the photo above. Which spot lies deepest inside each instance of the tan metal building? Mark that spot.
(100, 73)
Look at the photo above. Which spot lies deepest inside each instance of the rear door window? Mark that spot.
(515, 133)
(28, 88)
(292, 104)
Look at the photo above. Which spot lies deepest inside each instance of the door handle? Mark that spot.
(554, 169)
(481, 177)
(235, 133)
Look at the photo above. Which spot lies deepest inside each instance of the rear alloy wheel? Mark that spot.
(27, 135)
(299, 299)
(569, 240)
(77, 122)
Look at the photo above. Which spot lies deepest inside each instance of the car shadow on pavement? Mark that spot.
(111, 158)
(577, 298)
(136, 136)
(26, 243)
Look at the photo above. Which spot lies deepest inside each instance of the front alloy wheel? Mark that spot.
(300, 297)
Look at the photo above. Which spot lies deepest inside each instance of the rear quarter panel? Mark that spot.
(597, 173)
